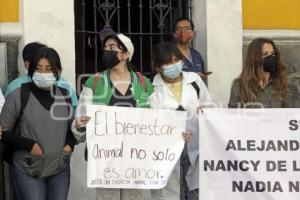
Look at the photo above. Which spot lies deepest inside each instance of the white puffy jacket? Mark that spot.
(162, 98)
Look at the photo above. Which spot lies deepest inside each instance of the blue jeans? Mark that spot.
(54, 187)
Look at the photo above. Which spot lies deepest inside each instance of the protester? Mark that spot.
(263, 80)
(118, 85)
(36, 120)
(28, 55)
(178, 90)
(184, 33)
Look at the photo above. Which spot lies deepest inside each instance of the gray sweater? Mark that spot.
(47, 127)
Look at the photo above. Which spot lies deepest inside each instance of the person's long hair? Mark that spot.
(252, 75)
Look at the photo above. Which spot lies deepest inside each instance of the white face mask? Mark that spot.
(172, 71)
(43, 80)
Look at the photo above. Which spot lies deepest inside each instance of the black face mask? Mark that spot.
(270, 64)
(110, 59)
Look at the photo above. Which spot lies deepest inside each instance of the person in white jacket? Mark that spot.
(178, 90)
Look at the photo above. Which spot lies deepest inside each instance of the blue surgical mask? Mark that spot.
(43, 80)
(173, 71)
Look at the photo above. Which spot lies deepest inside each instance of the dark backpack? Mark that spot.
(196, 87)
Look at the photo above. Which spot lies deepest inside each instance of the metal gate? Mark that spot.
(146, 22)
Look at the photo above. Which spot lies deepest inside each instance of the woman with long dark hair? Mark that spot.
(263, 81)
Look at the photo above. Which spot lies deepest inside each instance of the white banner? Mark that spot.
(250, 154)
(133, 147)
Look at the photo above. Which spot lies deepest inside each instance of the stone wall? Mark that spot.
(8, 60)
(12, 61)
(290, 51)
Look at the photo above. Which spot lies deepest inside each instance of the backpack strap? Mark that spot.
(95, 81)
(142, 80)
(195, 85)
(66, 96)
(24, 97)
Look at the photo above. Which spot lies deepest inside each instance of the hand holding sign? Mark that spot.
(81, 121)
(187, 136)
(249, 154)
(133, 147)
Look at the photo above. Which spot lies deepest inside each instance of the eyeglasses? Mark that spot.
(184, 28)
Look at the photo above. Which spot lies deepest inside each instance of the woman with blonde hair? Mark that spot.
(263, 81)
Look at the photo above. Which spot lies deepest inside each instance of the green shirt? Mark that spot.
(103, 91)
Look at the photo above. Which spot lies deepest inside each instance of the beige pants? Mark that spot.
(118, 194)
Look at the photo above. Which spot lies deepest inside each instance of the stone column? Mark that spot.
(3, 65)
(220, 40)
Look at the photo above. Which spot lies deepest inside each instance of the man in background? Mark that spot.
(183, 36)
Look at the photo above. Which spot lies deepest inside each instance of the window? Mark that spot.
(146, 22)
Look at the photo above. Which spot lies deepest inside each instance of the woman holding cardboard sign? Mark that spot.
(178, 90)
(118, 85)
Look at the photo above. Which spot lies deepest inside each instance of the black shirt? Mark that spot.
(118, 99)
(45, 97)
